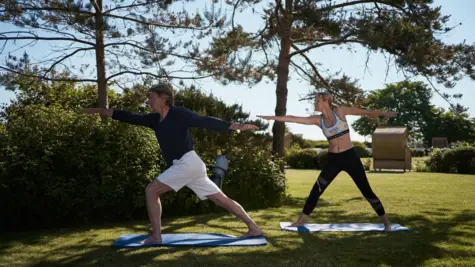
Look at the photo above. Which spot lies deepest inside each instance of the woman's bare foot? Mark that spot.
(152, 240)
(387, 228)
(300, 221)
(387, 224)
(297, 223)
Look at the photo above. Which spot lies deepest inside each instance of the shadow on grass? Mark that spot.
(388, 171)
(431, 238)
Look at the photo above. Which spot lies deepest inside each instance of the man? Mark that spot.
(185, 168)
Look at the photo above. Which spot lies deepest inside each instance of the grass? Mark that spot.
(438, 207)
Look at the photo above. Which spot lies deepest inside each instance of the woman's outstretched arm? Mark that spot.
(315, 119)
(366, 112)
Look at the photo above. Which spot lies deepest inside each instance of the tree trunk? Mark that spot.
(278, 129)
(100, 58)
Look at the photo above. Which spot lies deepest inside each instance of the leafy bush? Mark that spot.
(362, 152)
(254, 179)
(324, 144)
(458, 160)
(360, 144)
(366, 164)
(312, 159)
(417, 153)
(320, 144)
(303, 159)
(61, 167)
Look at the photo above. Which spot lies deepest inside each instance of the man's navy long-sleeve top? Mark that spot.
(173, 133)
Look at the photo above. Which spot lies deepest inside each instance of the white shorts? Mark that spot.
(189, 171)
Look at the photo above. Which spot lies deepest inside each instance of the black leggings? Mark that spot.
(350, 162)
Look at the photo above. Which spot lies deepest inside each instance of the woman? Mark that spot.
(341, 154)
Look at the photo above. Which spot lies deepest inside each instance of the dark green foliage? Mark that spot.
(303, 159)
(458, 160)
(362, 152)
(412, 102)
(417, 153)
(310, 158)
(61, 167)
(307, 159)
(254, 179)
(456, 127)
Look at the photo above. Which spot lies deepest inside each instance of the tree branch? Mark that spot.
(313, 67)
(350, 3)
(36, 37)
(66, 57)
(46, 78)
(129, 6)
(438, 91)
(154, 75)
(150, 23)
(151, 51)
(234, 12)
(24, 7)
(343, 39)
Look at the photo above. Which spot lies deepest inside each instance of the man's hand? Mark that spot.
(243, 127)
(100, 111)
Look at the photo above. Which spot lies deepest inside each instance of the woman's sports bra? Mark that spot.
(338, 129)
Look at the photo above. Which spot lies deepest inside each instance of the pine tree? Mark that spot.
(126, 38)
(404, 29)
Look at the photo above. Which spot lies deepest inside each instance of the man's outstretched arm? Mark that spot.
(147, 120)
(191, 119)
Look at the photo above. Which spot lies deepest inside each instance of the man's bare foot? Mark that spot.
(152, 240)
(252, 232)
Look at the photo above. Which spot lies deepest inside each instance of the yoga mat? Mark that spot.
(189, 239)
(341, 227)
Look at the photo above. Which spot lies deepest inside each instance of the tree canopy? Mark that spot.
(409, 31)
(128, 39)
(412, 102)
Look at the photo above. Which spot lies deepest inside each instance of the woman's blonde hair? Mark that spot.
(328, 97)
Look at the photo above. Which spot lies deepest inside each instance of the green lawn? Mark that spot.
(439, 207)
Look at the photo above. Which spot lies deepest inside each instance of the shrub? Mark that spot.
(63, 168)
(417, 153)
(320, 144)
(254, 179)
(59, 167)
(303, 159)
(458, 160)
(358, 143)
(367, 164)
(362, 152)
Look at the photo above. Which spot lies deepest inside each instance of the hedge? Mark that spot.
(458, 160)
(60, 167)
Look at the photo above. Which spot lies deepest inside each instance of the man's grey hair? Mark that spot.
(164, 89)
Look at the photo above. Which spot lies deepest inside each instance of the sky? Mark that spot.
(260, 99)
